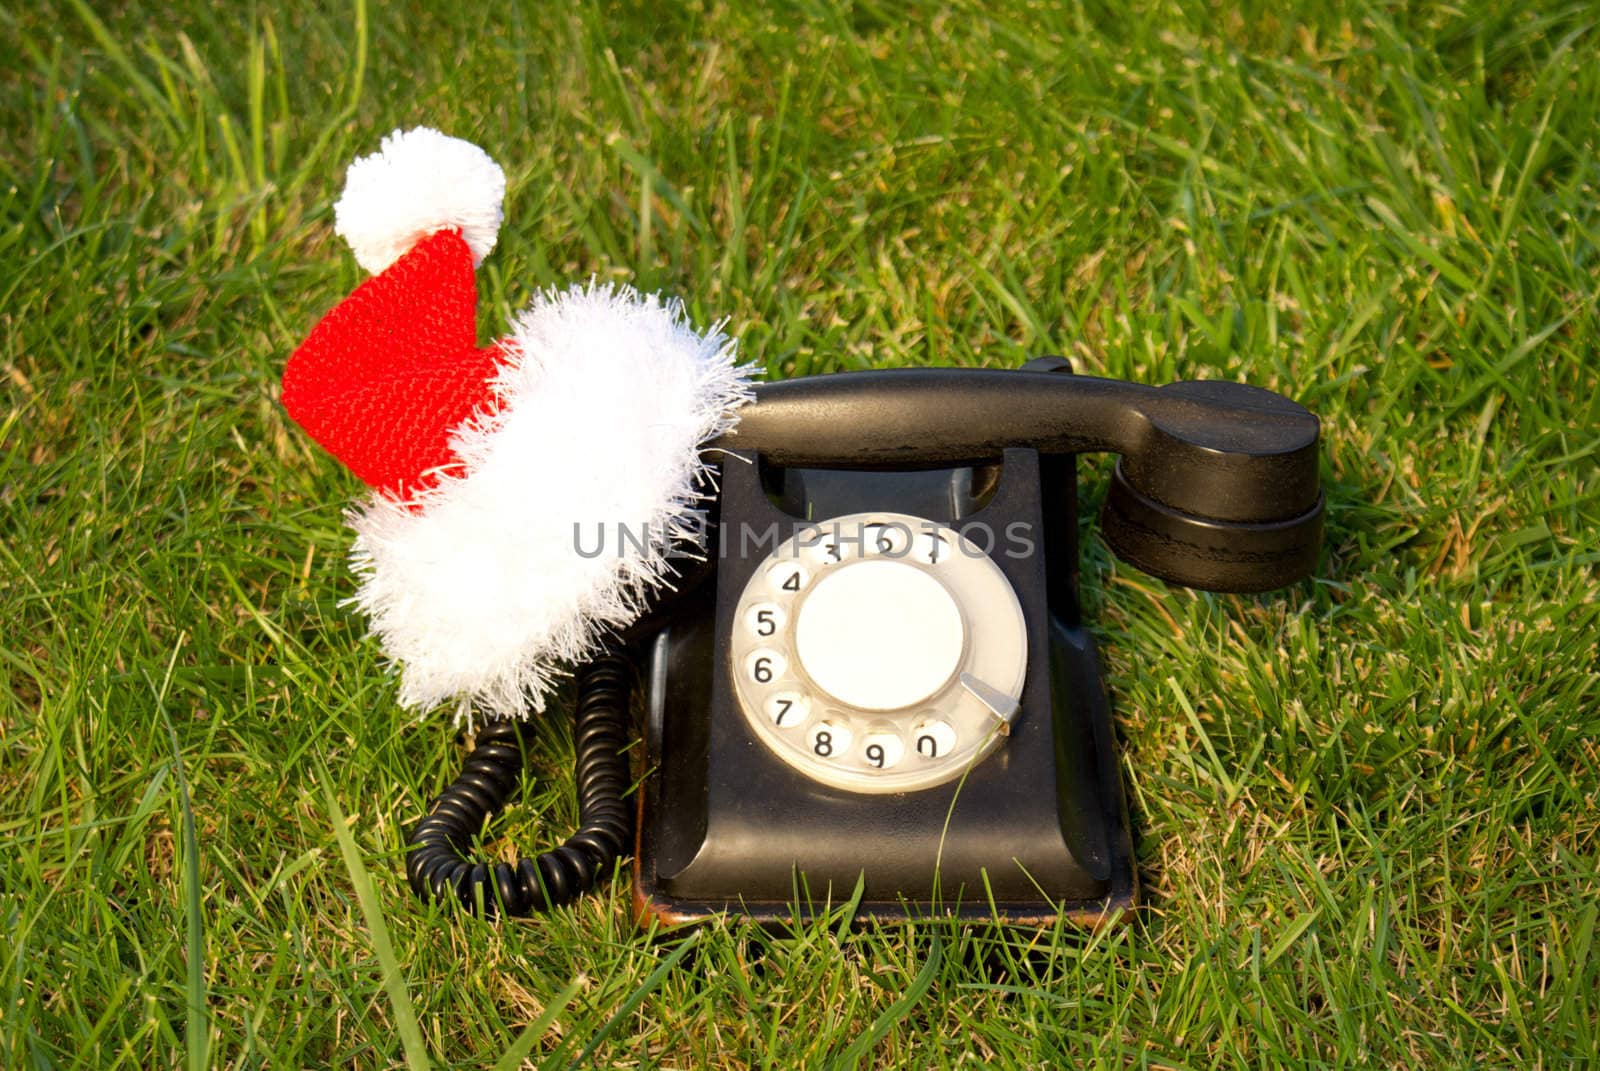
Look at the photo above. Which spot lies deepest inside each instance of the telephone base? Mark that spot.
(1032, 833)
(1034, 836)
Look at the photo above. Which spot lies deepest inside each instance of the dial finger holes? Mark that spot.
(765, 665)
(834, 544)
(765, 619)
(828, 739)
(891, 539)
(788, 709)
(882, 751)
(933, 738)
(933, 546)
(788, 578)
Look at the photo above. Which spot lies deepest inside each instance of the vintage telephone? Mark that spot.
(880, 673)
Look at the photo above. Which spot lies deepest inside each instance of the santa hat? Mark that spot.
(490, 466)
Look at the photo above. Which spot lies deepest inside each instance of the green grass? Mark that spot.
(1367, 810)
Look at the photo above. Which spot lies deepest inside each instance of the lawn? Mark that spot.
(1366, 810)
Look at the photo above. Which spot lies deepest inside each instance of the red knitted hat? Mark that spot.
(389, 374)
(488, 464)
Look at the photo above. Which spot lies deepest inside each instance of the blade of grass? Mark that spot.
(513, 1057)
(197, 1027)
(394, 982)
(635, 998)
(896, 1011)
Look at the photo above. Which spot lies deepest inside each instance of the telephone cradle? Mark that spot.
(874, 676)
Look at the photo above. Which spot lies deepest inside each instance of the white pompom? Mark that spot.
(418, 182)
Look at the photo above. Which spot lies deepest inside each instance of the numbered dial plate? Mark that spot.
(879, 652)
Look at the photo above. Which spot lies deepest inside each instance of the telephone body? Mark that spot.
(886, 677)
(879, 672)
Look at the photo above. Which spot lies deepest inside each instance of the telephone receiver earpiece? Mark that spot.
(1216, 485)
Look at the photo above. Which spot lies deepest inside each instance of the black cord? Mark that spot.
(436, 860)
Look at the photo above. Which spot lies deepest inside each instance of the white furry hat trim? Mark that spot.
(476, 586)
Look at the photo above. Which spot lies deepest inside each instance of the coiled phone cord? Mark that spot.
(436, 860)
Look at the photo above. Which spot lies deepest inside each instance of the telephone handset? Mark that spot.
(880, 673)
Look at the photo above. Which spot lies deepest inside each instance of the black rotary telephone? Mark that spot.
(881, 674)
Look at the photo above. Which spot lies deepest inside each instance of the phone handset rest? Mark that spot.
(1216, 486)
